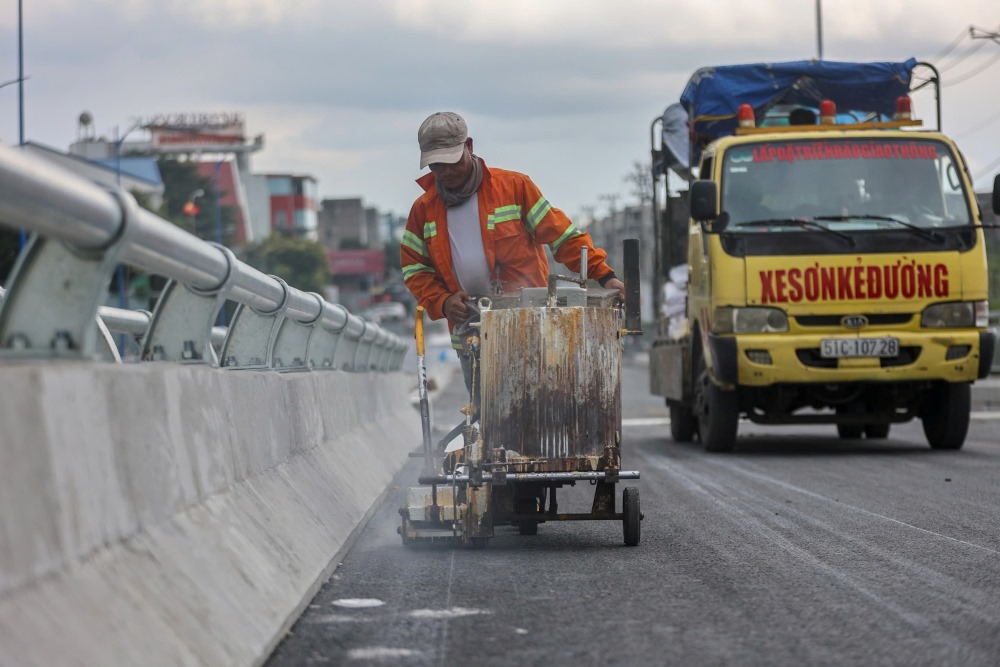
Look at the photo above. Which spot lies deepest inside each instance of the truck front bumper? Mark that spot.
(953, 355)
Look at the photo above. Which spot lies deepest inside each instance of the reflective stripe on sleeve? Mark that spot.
(413, 269)
(570, 232)
(414, 243)
(537, 212)
(430, 229)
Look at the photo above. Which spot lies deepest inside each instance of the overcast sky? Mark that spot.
(563, 90)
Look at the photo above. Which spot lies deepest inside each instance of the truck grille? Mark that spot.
(874, 320)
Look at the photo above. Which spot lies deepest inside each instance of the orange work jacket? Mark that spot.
(516, 221)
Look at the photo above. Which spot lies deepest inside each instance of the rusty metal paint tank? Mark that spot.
(551, 387)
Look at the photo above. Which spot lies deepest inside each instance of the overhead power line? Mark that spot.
(968, 75)
(986, 170)
(955, 42)
(975, 128)
(962, 57)
(976, 34)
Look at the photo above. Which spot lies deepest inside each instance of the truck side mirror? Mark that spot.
(705, 203)
(996, 194)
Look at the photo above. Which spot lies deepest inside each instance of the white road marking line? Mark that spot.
(646, 421)
(380, 652)
(984, 415)
(792, 487)
(454, 612)
(358, 603)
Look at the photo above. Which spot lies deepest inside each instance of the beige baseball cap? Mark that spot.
(442, 138)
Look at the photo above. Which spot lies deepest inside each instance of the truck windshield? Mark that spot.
(846, 184)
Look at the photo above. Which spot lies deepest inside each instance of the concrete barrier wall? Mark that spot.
(163, 514)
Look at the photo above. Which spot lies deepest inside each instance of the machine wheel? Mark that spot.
(877, 431)
(682, 422)
(945, 414)
(632, 517)
(524, 506)
(407, 541)
(716, 411)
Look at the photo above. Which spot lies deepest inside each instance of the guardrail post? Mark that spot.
(365, 344)
(181, 326)
(321, 350)
(345, 357)
(50, 309)
(291, 344)
(250, 339)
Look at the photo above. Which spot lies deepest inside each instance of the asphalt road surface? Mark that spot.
(799, 548)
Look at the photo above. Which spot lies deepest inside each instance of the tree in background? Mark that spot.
(641, 180)
(181, 181)
(300, 263)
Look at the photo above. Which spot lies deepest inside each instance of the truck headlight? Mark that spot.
(731, 320)
(953, 315)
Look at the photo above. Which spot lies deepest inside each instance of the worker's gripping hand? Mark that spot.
(614, 283)
(456, 307)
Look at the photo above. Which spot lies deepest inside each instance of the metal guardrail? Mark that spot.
(81, 232)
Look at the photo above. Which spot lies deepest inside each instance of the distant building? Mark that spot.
(225, 178)
(629, 222)
(353, 236)
(349, 224)
(358, 276)
(208, 138)
(294, 205)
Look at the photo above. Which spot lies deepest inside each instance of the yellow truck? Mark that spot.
(836, 263)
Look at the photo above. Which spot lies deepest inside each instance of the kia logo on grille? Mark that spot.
(854, 321)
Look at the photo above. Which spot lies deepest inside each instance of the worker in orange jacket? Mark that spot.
(478, 230)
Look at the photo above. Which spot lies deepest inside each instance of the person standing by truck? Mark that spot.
(478, 230)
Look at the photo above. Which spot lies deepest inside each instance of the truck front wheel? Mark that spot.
(682, 422)
(716, 411)
(945, 414)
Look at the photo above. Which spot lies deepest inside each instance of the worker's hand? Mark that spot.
(614, 283)
(455, 307)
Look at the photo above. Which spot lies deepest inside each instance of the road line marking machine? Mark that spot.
(549, 360)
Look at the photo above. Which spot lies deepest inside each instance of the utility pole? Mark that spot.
(20, 70)
(22, 235)
(819, 27)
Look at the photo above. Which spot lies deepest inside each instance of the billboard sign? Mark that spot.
(196, 130)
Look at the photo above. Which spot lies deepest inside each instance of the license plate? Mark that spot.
(859, 347)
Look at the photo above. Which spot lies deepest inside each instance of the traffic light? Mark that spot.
(190, 208)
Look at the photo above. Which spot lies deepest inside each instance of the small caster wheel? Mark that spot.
(632, 516)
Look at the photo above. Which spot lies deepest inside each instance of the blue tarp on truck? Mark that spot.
(713, 95)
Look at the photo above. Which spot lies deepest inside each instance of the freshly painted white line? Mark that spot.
(380, 653)
(983, 415)
(454, 612)
(646, 421)
(742, 470)
(357, 603)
